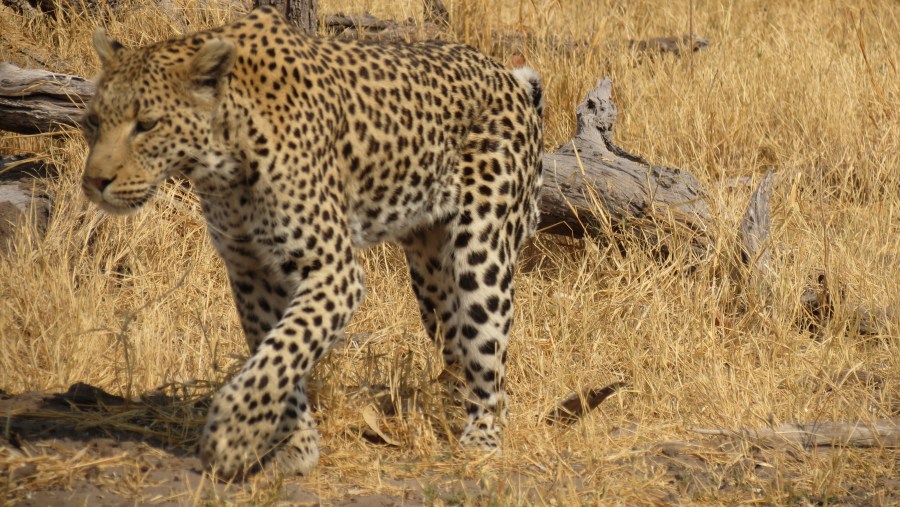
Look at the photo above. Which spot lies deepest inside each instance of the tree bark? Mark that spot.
(590, 184)
(302, 13)
(436, 12)
(880, 433)
(34, 101)
(817, 298)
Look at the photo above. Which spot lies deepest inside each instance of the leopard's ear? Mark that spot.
(106, 48)
(213, 61)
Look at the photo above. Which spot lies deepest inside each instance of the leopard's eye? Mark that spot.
(144, 125)
(90, 122)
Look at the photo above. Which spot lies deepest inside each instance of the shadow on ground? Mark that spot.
(88, 447)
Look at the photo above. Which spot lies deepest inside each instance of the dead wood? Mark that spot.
(368, 27)
(577, 404)
(817, 298)
(673, 45)
(592, 185)
(25, 166)
(508, 41)
(756, 226)
(23, 7)
(301, 13)
(850, 375)
(34, 101)
(437, 21)
(436, 12)
(21, 200)
(881, 433)
(33, 9)
(754, 232)
(359, 21)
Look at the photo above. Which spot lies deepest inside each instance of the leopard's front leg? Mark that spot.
(264, 407)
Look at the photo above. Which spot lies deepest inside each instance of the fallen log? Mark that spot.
(591, 185)
(673, 45)
(21, 201)
(364, 21)
(881, 433)
(755, 227)
(578, 403)
(67, 9)
(34, 101)
(301, 13)
(368, 27)
(586, 179)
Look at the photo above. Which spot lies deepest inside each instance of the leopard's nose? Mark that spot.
(98, 182)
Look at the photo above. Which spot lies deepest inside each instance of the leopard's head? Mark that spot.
(151, 116)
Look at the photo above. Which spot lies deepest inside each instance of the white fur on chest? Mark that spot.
(398, 222)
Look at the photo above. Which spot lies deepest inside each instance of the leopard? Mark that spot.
(303, 151)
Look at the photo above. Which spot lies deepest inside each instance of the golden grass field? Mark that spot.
(809, 89)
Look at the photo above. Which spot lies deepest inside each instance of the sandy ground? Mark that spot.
(88, 447)
(54, 457)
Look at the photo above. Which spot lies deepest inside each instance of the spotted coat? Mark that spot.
(304, 150)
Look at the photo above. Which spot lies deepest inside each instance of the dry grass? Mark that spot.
(808, 88)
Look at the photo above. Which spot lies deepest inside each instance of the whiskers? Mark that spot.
(210, 194)
(220, 234)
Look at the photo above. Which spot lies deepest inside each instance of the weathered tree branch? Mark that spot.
(302, 13)
(881, 433)
(35, 101)
(436, 12)
(672, 45)
(755, 227)
(590, 179)
(578, 403)
(23, 7)
(816, 299)
(368, 27)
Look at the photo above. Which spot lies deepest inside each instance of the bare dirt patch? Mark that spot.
(89, 447)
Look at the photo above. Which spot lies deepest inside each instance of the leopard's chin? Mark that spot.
(117, 208)
(114, 209)
(111, 200)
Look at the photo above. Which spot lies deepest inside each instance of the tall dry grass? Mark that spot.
(809, 89)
